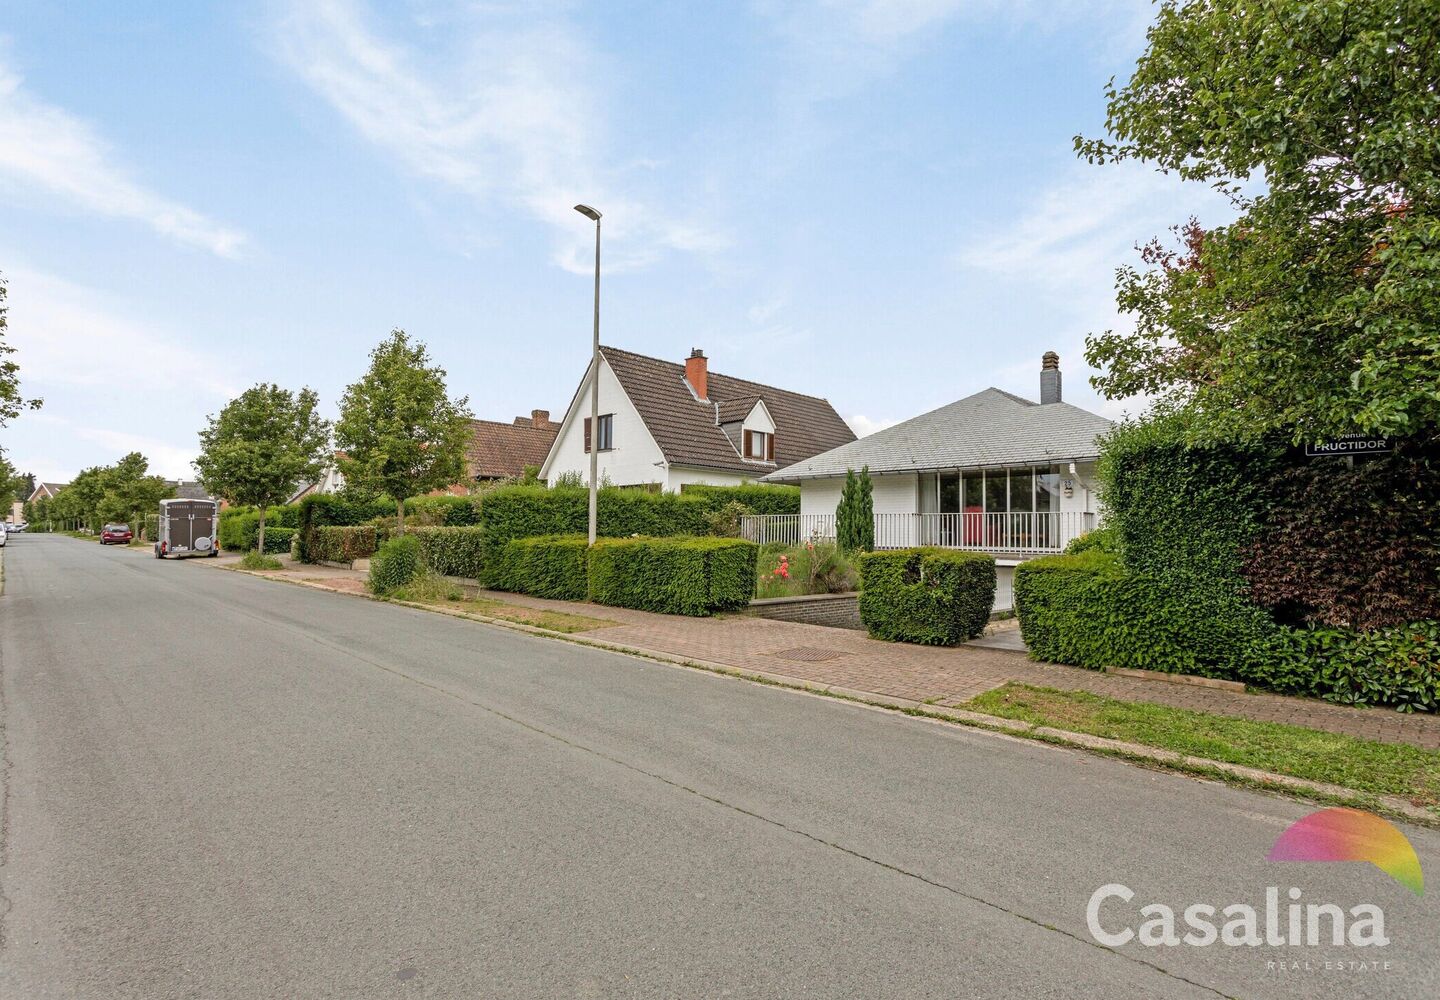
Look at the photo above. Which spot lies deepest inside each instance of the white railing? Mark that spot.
(1016, 533)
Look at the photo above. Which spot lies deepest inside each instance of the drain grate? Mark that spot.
(809, 654)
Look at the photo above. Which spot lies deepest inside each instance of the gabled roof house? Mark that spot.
(673, 424)
(993, 472)
(499, 450)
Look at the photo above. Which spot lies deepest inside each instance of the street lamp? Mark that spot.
(593, 215)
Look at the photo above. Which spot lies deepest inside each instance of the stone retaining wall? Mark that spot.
(833, 610)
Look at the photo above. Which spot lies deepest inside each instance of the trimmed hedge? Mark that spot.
(334, 543)
(673, 576)
(552, 566)
(531, 511)
(931, 596)
(761, 498)
(441, 511)
(396, 563)
(1087, 610)
(278, 540)
(1397, 666)
(240, 527)
(330, 510)
(452, 551)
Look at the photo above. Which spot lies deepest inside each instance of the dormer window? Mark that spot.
(760, 446)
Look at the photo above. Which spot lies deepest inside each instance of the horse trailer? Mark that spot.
(187, 528)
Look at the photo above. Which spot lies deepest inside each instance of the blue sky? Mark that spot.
(871, 200)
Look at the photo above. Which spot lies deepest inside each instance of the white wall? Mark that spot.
(820, 496)
(630, 463)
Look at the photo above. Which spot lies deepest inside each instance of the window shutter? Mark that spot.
(748, 449)
(587, 435)
(770, 447)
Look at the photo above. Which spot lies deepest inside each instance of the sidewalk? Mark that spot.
(935, 675)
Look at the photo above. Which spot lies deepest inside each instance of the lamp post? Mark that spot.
(590, 213)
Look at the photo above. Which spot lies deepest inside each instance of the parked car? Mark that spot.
(187, 528)
(17, 527)
(118, 534)
(4, 535)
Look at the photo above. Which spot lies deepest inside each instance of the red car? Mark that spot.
(119, 533)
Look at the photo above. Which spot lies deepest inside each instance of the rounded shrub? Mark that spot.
(397, 563)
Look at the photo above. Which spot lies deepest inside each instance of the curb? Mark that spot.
(1132, 752)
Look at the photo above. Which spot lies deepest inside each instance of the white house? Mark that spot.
(992, 472)
(676, 424)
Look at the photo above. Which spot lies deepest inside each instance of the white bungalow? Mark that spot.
(992, 472)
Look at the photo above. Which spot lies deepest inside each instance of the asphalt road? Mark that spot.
(218, 786)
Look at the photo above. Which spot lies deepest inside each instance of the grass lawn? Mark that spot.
(440, 593)
(1364, 765)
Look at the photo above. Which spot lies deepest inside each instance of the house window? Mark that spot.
(605, 439)
(759, 445)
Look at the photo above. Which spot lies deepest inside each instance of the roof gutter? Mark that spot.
(785, 475)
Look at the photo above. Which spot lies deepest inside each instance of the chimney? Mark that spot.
(540, 419)
(697, 373)
(1050, 377)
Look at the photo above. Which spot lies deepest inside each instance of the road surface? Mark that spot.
(219, 786)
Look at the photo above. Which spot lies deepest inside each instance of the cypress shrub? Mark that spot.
(674, 576)
(396, 563)
(452, 551)
(552, 566)
(935, 597)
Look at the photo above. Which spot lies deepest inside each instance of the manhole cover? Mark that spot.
(809, 654)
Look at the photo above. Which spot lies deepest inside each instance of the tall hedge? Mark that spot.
(443, 510)
(345, 543)
(674, 576)
(761, 498)
(931, 596)
(553, 566)
(452, 551)
(331, 510)
(240, 526)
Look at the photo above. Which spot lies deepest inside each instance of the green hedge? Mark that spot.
(330, 510)
(1088, 610)
(674, 576)
(761, 498)
(396, 563)
(240, 526)
(1398, 666)
(531, 511)
(442, 511)
(278, 540)
(345, 544)
(547, 566)
(452, 551)
(936, 597)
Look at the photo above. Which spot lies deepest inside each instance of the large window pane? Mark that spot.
(1047, 489)
(974, 490)
(1022, 490)
(996, 492)
(950, 493)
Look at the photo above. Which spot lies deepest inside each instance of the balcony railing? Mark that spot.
(1011, 533)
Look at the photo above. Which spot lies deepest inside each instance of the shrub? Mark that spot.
(396, 564)
(760, 498)
(676, 576)
(428, 587)
(452, 551)
(1303, 565)
(1397, 666)
(277, 540)
(811, 568)
(546, 566)
(448, 511)
(855, 516)
(936, 597)
(725, 522)
(1087, 610)
(334, 543)
(254, 560)
(1101, 539)
(332, 510)
(528, 511)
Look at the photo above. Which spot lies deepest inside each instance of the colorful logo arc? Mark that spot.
(1351, 835)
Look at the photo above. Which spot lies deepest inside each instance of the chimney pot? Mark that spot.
(697, 373)
(1050, 377)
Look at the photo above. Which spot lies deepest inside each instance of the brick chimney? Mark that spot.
(540, 419)
(697, 373)
(1050, 377)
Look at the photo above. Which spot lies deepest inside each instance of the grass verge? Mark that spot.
(1363, 765)
(439, 592)
(254, 560)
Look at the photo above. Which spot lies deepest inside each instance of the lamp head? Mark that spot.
(588, 212)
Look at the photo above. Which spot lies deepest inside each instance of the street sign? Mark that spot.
(1350, 444)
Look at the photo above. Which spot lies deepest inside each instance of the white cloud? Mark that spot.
(504, 109)
(166, 459)
(864, 426)
(47, 150)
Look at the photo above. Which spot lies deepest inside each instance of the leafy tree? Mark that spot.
(11, 402)
(264, 442)
(1317, 312)
(129, 491)
(855, 516)
(400, 432)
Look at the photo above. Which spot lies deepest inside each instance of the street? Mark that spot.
(220, 786)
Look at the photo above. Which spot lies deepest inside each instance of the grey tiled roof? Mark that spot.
(990, 428)
(686, 429)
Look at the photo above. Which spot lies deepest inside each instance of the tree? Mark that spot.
(264, 442)
(855, 516)
(11, 402)
(399, 431)
(128, 490)
(1317, 312)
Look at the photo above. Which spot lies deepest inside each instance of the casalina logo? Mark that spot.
(1327, 835)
